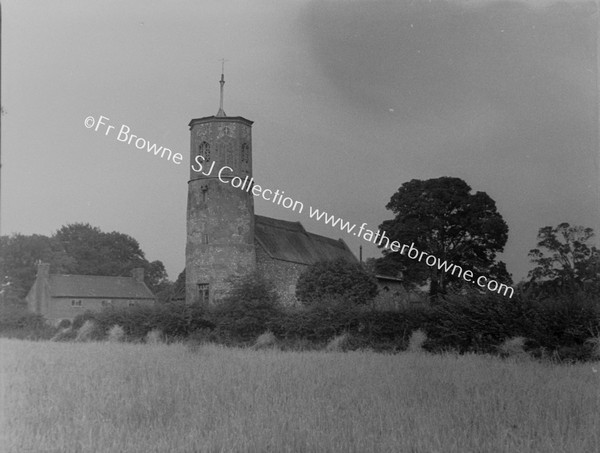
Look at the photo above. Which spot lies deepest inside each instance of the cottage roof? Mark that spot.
(93, 286)
(289, 241)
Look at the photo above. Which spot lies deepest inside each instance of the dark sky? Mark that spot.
(350, 99)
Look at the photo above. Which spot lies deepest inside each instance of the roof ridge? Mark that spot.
(90, 276)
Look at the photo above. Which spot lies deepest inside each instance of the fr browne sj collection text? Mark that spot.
(225, 175)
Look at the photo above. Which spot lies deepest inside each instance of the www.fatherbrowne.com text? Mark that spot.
(247, 184)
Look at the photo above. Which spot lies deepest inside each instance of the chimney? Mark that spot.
(138, 274)
(43, 270)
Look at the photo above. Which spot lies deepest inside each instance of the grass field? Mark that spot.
(106, 397)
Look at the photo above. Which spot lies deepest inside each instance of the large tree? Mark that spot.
(443, 218)
(74, 249)
(19, 254)
(98, 253)
(565, 259)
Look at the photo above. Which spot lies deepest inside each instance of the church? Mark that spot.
(224, 235)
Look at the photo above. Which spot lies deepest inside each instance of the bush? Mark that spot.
(116, 334)
(66, 334)
(265, 341)
(564, 321)
(337, 278)
(154, 337)
(17, 322)
(64, 324)
(87, 331)
(249, 307)
(557, 327)
(476, 323)
(513, 348)
(339, 343)
(417, 340)
(174, 320)
(313, 327)
(594, 344)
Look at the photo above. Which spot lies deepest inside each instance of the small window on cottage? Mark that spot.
(203, 293)
(106, 303)
(76, 303)
(132, 303)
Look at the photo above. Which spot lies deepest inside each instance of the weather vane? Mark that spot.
(221, 112)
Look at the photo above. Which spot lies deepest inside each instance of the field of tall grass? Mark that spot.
(114, 397)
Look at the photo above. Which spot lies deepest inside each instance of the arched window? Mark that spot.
(204, 150)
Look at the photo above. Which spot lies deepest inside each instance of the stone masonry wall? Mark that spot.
(282, 274)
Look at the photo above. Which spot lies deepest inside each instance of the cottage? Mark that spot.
(60, 296)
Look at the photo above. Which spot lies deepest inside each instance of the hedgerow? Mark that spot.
(174, 320)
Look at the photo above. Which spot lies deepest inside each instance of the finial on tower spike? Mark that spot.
(221, 112)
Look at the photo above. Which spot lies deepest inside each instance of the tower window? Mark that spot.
(204, 151)
(205, 238)
(245, 153)
(203, 293)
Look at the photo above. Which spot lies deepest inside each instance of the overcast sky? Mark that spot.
(350, 99)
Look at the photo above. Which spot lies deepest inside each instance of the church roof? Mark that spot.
(93, 286)
(289, 241)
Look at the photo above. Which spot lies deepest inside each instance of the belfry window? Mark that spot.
(204, 151)
(245, 154)
(203, 293)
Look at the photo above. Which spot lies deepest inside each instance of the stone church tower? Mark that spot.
(220, 218)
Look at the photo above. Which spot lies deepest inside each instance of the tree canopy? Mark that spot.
(443, 218)
(74, 249)
(565, 259)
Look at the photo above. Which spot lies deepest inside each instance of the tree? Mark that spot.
(94, 252)
(74, 249)
(443, 218)
(18, 257)
(565, 259)
(332, 279)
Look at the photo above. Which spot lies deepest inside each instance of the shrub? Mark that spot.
(250, 305)
(17, 322)
(86, 332)
(513, 348)
(154, 337)
(417, 340)
(556, 327)
(64, 324)
(336, 278)
(594, 344)
(265, 341)
(339, 343)
(174, 320)
(476, 323)
(64, 334)
(564, 321)
(116, 334)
